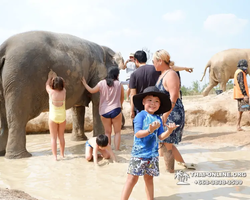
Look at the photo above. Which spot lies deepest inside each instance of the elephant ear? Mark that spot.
(112, 58)
(118, 59)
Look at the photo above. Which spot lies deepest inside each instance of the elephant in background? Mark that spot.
(25, 61)
(222, 67)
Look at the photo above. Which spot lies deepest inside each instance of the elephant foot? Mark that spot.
(79, 138)
(24, 154)
(2, 153)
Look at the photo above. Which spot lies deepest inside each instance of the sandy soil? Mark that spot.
(217, 136)
(6, 194)
(214, 136)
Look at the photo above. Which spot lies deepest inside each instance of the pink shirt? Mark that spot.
(110, 97)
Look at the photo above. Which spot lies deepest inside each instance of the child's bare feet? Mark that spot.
(62, 157)
(239, 129)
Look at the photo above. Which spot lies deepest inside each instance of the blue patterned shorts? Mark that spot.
(142, 166)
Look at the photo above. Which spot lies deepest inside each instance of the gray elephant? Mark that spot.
(222, 67)
(26, 60)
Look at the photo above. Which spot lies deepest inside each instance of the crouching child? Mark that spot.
(98, 144)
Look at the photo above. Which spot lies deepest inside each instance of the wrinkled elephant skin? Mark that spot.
(222, 67)
(26, 60)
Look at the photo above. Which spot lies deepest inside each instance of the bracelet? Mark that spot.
(149, 131)
(173, 102)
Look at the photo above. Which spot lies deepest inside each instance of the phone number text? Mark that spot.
(218, 182)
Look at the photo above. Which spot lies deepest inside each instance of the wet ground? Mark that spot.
(215, 151)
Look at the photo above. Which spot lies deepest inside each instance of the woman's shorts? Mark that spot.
(113, 113)
(142, 166)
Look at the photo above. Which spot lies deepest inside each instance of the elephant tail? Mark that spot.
(208, 65)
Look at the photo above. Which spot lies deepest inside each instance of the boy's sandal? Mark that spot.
(187, 165)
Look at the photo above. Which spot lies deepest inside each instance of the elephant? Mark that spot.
(222, 67)
(25, 61)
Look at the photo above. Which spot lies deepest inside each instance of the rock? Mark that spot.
(213, 110)
(40, 123)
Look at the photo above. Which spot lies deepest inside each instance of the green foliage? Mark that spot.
(186, 91)
(230, 85)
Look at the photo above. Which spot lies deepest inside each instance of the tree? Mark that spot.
(196, 87)
(185, 90)
(230, 85)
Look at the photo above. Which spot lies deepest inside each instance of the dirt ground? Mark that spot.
(216, 136)
(201, 135)
(7, 194)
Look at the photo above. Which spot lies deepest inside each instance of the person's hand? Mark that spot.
(172, 126)
(246, 99)
(155, 125)
(189, 69)
(52, 74)
(83, 81)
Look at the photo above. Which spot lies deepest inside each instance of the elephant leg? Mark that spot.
(17, 120)
(97, 123)
(209, 87)
(78, 114)
(4, 129)
(223, 86)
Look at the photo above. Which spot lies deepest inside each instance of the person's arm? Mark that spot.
(240, 80)
(172, 84)
(127, 61)
(112, 155)
(90, 89)
(122, 94)
(241, 83)
(95, 155)
(132, 86)
(152, 127)
(132, 111)
(125, 64)
(167, 133)
(177, 68)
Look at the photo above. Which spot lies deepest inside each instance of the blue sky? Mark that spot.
(190, 30)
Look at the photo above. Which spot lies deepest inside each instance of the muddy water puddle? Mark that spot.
(73, 178)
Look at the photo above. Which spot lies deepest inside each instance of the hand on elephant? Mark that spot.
(52, 74)
(189, 69)
(83, 81)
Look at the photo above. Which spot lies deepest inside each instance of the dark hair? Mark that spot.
(113, 73)
(58, 83)
(141, 56)
(102, 140)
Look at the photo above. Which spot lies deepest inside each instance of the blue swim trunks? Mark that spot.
(88, 145)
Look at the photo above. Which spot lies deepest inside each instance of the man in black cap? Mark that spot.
(241, 93)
